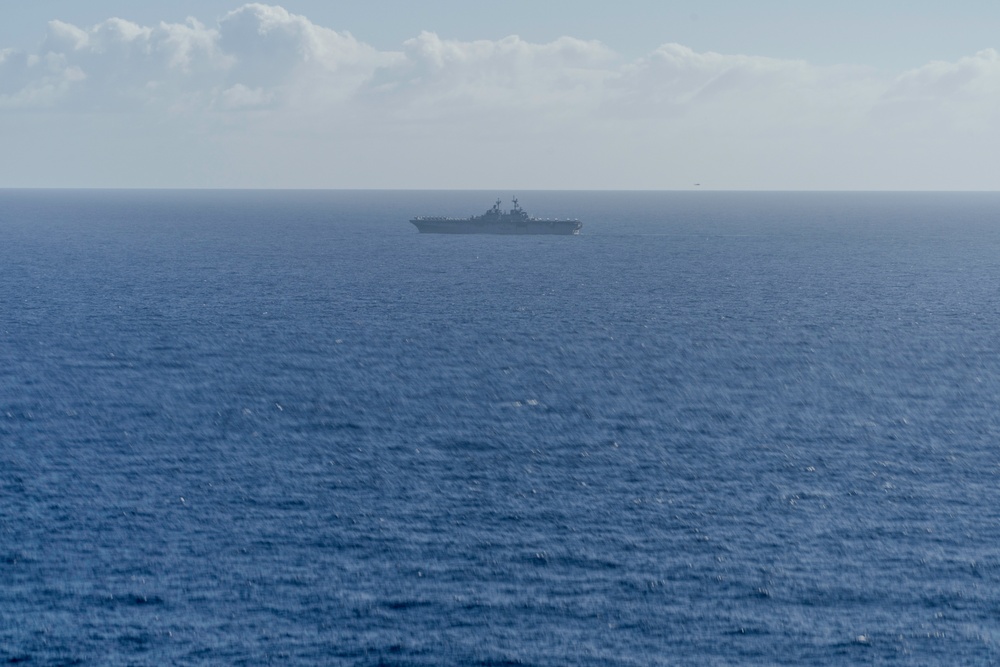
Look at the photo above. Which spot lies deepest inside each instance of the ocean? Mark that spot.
(284, 428)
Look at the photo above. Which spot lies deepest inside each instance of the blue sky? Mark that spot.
(635, 94)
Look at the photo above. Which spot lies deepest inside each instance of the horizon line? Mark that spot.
(485, 189)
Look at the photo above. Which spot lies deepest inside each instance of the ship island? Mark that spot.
(497, 221)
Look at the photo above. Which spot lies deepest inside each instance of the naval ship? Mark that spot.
(496, 221)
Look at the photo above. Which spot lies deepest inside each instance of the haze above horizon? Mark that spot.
(516, 95)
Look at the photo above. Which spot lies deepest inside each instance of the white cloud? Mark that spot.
(273, 48)
(257, 31)
(319, 91)
(189, 46)
(63, 37)
(962, 96)
(283, 56)
(675, 77)
(443, 77)
(32, 81)
(972, 76)
(117, 64)
(241, 97)
(285, 59)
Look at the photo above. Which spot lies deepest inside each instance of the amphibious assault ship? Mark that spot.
(496, 221)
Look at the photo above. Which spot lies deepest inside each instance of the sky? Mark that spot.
(541, 94)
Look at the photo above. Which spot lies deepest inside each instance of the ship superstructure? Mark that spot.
(497, 221)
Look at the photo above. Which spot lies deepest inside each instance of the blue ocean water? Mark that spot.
(283, 428)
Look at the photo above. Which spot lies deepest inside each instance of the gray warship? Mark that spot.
(496, 221)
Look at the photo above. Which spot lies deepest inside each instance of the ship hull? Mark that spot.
(469, 226)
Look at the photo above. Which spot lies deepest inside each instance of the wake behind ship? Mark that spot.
(496, 221)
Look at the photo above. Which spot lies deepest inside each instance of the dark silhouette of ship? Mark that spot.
(496, 221)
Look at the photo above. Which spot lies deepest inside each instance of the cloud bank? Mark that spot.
(267, 97)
